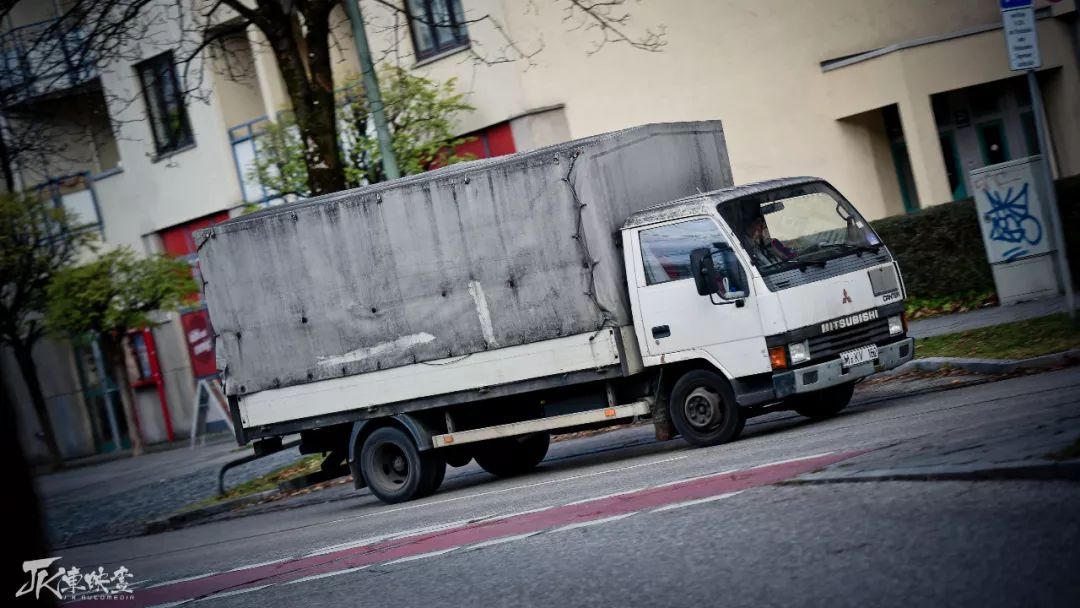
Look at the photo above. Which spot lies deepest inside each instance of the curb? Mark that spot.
(179, 520)
(1045, 470)
(990, 366)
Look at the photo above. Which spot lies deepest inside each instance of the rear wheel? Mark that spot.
(395, 470)
(511, 456)
(703, 409)
(825, 403)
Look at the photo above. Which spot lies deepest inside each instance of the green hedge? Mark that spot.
(940, 248)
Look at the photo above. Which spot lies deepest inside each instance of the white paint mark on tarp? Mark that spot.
(402, 343)
(482, 312)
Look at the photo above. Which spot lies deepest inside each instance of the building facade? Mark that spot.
(893, 102)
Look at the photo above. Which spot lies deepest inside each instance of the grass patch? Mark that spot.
(920, 308)
(1019, 340)
(307, 464)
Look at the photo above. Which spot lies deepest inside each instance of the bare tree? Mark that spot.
(300, 35)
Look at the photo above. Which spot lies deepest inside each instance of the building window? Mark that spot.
(437, 26)
(164, 103)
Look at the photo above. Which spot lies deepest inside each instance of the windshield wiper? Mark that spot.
(851, 247)
(794, 263)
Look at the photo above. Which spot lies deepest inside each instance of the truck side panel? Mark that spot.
(465, 260)
(589, 351)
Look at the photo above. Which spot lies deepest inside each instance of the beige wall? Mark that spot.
(756, 66)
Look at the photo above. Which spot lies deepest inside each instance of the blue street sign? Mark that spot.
(1008, 5)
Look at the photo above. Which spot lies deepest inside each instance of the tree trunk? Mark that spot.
(310, 86)
(115, 355)
(24, 355)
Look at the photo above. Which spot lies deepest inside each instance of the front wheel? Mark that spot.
(825, 403)
(703, 409)
(395, 470)
(512, 455)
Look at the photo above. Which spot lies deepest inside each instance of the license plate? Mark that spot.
(865, 354)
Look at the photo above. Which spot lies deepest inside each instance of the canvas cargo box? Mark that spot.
(472, 257)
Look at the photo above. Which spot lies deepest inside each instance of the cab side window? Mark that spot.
(665, 251)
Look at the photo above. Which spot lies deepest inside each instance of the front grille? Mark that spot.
(834, 343)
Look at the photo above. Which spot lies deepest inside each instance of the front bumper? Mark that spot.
(831, 373)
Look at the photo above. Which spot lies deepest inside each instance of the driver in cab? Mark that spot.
(768, 249)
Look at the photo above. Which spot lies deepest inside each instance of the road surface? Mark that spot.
(620, 519)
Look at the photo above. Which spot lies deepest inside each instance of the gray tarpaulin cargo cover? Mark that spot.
(391, 274)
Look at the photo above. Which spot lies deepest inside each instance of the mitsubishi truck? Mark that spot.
(471, 312)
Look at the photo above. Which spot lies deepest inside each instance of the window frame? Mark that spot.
(153, 67)
(642, 248)
(428, 21)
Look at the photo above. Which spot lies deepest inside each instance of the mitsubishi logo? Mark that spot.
(847, 298)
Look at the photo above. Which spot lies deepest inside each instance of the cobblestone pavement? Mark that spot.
(115, 499)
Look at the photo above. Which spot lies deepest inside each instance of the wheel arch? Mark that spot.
(414, 426)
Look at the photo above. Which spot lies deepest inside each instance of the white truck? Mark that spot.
(470, 312)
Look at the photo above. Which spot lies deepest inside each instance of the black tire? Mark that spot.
(703, 409)
(512, 455)
(395, 470)
(825, 403)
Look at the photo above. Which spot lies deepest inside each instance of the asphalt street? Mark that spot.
(619, 519)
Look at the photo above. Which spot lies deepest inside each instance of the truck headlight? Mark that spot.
(896, 325)
(799, 352)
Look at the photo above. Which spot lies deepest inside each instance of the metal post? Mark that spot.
(1048, 178)
(106, 393)
(371, 90)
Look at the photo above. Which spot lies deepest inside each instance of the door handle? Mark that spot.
(661, 331)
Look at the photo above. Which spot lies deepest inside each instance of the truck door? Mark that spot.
(670, 314)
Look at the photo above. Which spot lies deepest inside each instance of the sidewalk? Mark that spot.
(984, 317)
(1036, 441)
(116, 497)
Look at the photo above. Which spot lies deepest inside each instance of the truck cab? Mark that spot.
(780, 287)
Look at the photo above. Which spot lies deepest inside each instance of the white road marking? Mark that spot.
(218, 596)
(499, 541)
(326, 575)
(594, 522)
(511, 489)
(257, 565)
(696, 478)
(619, 493)
(411, 558)
(391, 536)
(186, 579)
(697, 501)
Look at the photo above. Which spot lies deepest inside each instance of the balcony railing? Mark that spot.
(42, 58)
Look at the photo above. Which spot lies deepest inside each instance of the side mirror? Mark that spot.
(704, 271)
(729, 283)
(735, 283)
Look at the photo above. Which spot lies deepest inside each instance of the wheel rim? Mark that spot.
(390, 468)
(702, 409)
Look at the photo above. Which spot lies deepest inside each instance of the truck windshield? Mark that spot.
(798, 227)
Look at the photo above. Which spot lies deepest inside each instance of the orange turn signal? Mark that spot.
(778, 357)
(609, 412)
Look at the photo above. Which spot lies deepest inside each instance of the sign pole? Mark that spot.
(1022, 44)
(1048, 179)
